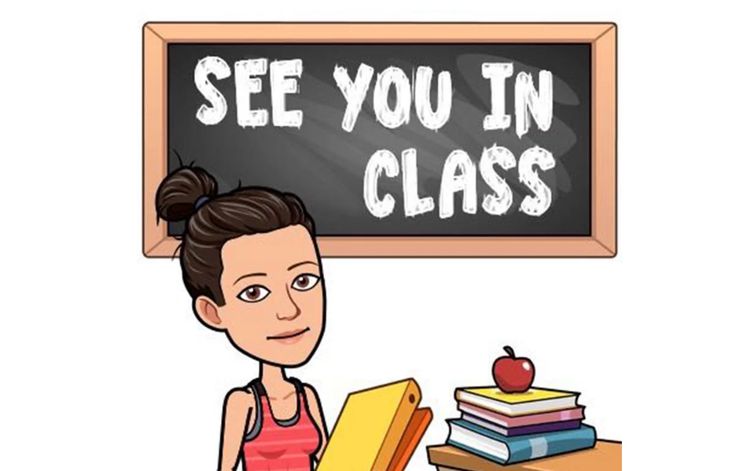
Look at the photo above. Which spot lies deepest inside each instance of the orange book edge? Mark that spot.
(413, 434)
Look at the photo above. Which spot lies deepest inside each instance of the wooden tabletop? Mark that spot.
(605, 456)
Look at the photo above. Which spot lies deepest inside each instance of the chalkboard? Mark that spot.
(327, 162)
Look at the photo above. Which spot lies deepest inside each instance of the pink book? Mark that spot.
(522, 420)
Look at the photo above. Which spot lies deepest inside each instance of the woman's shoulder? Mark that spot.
(311, 395)
(309, 390)
(240, 398)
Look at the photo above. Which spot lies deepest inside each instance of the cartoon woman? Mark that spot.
(251, 265)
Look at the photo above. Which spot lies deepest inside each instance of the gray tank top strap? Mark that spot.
(258, 392)
(302, 392)
(298, 385)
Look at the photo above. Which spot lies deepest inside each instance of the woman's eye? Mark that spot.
(305, 282)
(254, 293)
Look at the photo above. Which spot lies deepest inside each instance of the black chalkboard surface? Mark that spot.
(326, 164)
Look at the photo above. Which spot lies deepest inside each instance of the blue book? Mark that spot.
(505, 450)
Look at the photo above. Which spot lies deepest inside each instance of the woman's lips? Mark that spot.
(291, 336)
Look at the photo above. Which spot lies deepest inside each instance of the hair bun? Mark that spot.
(179, 192)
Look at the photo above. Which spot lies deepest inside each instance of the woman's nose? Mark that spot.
(288, 310)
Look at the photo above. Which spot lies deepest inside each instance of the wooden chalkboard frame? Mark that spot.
(601, 37)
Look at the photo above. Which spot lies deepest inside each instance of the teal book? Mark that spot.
(506, 450)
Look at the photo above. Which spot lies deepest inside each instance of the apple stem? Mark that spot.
(510, 351)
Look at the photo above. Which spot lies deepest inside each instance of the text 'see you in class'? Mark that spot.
(459, 172)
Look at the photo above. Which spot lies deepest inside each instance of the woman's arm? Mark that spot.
(236, 413)
(315, 409)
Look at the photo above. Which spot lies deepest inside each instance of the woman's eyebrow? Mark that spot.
(249, 274)
(302, 263)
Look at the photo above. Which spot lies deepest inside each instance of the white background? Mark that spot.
(104, 366)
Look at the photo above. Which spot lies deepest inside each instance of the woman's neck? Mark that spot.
(274, 379)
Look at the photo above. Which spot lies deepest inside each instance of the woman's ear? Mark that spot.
(207, 312)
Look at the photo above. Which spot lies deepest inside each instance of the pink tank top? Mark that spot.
(275, 444)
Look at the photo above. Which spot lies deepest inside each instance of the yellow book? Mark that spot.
(535, 400)
(377, 429)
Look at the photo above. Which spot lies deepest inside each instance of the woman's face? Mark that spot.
(274, 295)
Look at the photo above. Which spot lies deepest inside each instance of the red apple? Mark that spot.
(511, 374)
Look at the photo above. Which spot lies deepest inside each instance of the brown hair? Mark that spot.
(190, 194)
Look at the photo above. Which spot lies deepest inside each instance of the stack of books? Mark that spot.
(514, 427)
